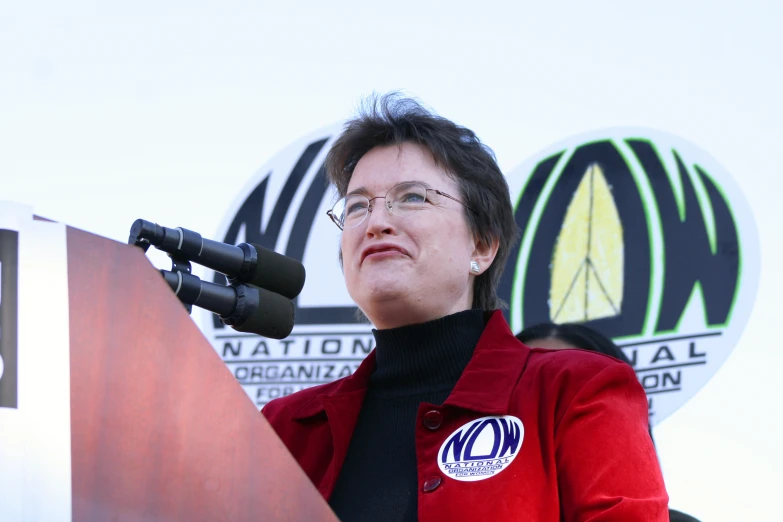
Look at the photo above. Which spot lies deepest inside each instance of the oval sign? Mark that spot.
(644, 237)
(283, 208)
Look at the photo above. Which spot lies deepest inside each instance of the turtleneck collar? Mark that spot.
(425, 357)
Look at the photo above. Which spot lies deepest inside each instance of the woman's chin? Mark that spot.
(379, 283)
(388, 293)
(384, 294)
(391, 312)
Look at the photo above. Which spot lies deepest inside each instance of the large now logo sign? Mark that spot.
(283, 207)
(634, 232)
(644, 237)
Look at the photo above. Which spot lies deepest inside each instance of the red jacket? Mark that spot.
(526, 434)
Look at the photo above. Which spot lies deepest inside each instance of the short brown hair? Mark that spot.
(393, 119)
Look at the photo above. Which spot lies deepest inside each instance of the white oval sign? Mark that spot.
(644, 237)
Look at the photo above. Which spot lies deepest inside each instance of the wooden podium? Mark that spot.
(160, 429)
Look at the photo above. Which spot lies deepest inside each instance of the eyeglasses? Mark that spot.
(402, 200)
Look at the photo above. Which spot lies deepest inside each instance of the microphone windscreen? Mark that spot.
(278, 273)
(273, 317)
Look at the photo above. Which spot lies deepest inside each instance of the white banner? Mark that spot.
(35, 430)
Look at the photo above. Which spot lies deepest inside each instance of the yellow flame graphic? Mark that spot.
(587, 267)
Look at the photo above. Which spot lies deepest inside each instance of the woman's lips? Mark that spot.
(381, 254)
(378, 252)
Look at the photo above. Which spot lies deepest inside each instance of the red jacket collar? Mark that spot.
(496, 351)
(487, 383)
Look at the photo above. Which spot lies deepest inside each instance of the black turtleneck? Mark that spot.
(413, 364)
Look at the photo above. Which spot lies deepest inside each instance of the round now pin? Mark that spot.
(481, 449)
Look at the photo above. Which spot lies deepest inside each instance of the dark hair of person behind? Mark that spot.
(393, 119)
(576, 335)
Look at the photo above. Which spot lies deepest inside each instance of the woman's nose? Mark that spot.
(379, 219)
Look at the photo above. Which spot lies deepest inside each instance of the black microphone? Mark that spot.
(245, 263)
(243, 307)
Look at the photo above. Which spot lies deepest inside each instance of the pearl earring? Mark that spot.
(474, 267)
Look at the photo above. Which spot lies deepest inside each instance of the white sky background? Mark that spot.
(162, 110)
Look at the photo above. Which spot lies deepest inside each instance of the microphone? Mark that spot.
(243, 307)
(245, 263)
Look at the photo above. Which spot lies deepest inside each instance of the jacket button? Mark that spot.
(431, 484)
(433, 419)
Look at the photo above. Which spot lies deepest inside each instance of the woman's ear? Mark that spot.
(484, 254)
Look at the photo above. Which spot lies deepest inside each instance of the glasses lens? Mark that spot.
(406, 198)
(351, 210)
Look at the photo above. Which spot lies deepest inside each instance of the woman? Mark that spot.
(450, 417)
(578, 336)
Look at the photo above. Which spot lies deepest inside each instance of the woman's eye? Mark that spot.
(412, 197)
(356, 207)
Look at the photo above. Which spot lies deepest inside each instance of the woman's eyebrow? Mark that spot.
(358, 190)
(364, 191)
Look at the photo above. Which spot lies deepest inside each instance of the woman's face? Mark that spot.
(416, 268)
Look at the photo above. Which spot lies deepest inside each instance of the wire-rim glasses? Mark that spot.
(401, 200)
